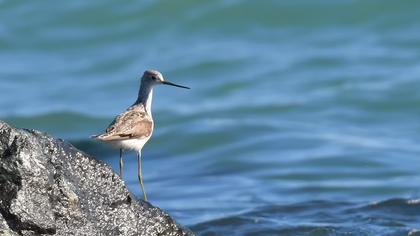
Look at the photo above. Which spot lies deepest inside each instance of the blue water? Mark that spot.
(303, 117)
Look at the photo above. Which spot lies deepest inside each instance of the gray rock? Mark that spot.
(49, 187)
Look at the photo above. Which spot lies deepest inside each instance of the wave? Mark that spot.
(393, 216)
(64, 124)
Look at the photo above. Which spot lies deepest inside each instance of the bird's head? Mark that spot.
(155, 78)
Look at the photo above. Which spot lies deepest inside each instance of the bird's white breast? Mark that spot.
(133, 144)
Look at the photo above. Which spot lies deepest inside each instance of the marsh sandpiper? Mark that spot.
(134, 127)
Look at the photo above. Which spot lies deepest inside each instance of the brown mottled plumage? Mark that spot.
(133, 123)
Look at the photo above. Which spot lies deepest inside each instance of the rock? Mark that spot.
(49, 187)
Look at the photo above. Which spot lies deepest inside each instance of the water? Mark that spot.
(303, 118)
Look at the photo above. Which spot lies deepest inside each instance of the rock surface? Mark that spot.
(48, 187)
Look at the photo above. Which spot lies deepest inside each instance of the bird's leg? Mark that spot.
(139, 175)
(121, 163)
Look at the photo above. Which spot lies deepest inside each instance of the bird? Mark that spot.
(131, 129)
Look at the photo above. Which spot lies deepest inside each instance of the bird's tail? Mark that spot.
(95, 136)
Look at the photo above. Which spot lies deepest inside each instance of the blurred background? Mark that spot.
(303, 117)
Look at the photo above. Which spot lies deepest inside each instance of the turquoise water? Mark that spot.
(303, 117)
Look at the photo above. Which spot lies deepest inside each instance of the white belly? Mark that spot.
(133, 144)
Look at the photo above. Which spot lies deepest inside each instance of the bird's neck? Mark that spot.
(145, 97)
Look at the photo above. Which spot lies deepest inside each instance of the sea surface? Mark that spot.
(303, 117)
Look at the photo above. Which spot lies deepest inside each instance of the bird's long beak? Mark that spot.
(176, 85)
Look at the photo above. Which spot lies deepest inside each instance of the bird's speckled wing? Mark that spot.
(133, 123)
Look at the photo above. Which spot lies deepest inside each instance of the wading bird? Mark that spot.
(134, 127)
